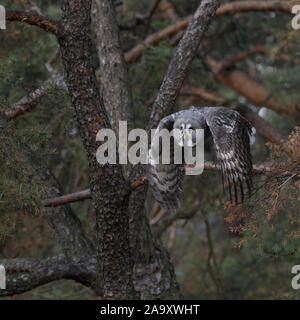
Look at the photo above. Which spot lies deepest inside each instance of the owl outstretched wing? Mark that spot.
(230, 132)
(165, 180)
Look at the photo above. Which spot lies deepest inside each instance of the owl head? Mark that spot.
(185, 130)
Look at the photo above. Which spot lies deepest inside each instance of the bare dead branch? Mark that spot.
(34, 19)
(73, 197)
(228, 62)
(29, 102)
(86, 194)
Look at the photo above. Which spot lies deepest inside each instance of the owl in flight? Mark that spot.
(230, 133)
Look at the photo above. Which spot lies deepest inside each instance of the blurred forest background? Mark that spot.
(249, 62)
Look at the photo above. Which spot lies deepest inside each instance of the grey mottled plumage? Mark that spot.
(230, 132)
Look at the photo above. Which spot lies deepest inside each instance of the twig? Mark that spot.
(86, 194)
(150, 14)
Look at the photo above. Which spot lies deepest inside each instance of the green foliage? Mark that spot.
(146, 77)
(298, 46)
(284, 82)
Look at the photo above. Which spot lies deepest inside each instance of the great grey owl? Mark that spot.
(230, 133)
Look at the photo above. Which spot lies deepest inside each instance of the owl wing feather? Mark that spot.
(165, 180)
(230, 132)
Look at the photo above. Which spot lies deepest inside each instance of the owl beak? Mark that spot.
(183, 133)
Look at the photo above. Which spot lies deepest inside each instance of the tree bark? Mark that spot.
(181, 61)
(31, 18)
(115, 84)
(110, 192)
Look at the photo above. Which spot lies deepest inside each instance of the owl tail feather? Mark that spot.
(166, 184)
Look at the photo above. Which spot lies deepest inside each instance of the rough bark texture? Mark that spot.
(154, 274)
(181, 61)
(78, 251)
(34, 19)
(127, 263)
(109, 190)
(34, 273)
(115, 88)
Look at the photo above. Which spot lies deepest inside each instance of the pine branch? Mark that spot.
(228, 8)
(252, 90)
(34, 19)
(38, 273)
(23, 274)
(86, 194)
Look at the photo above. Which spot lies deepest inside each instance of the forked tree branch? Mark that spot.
(133, 54)
(109, 188)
